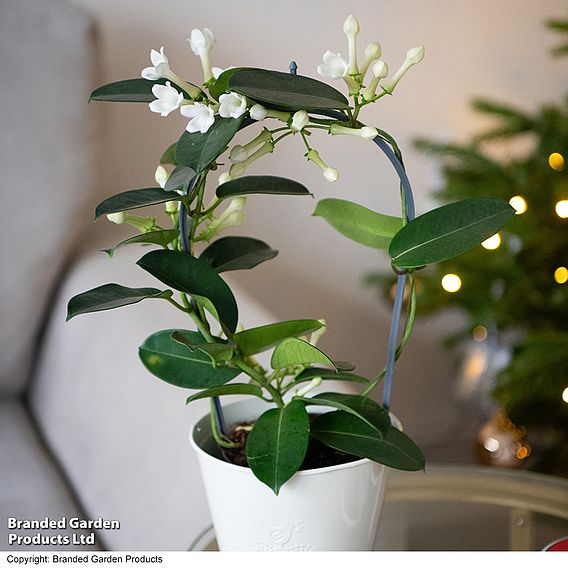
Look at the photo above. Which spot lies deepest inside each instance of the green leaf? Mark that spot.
(180, 178)
(258, 339)
(359, 223)
(134, 199)
(236, 253)
(269, 185)
(448, 231)
(235, 388)
(129, 91)
(277, 444)
(197, 151)
(219, 353)
(162, 238)
(363, 408)
(294, 351)
(193, 276)
(346, 433)
(285, 91)
(110, 296)
(177, 365)
(169, 156)
(327, 375)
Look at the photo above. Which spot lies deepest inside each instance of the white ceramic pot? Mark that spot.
(332, 508)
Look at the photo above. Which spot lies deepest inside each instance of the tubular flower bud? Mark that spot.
(299, 120)
(314, 383)
(201, 42)
(414, 56)
(238, 169)
(330, 174)
(232, 216)
(161, 176)
(351, 29)
(240, 153)
(143, 224)
(372, 53)
(172, 207)
(258, 112)
(367, 132)
(224, 177)
(380, 70)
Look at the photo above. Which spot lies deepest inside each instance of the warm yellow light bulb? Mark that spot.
(565, 395)
(561, 275)
(556, 161)
(519, 204)
(492, 242)
(562, 208)
(451, 283)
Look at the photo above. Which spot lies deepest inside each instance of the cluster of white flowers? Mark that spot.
(335, 67)
(168, 98)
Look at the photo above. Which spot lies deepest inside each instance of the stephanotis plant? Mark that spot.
(217, 358)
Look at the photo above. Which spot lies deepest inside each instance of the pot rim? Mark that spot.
(304, 472)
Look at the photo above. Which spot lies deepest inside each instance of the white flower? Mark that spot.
(333, 66)
(258, 112)
(201, 41)
(299, 120)
(168, 99)
(202, 117)
(232, 105)
(160, 67)
(161, 176)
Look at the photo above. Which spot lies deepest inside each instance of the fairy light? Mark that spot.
(451, 283)
(562, 208)
(479, 333)
(519, 204)
(492, 243)
(565, 395)
(556, 161)
(561, 275)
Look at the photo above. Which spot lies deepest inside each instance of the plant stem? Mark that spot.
(216, 435)
(262, 381)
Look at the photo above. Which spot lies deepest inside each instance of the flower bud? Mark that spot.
(161, 176)
(351, 29)
(258, 112)
(143, 224)
(172, 207)
(330, 174)
(238, 153)
(372, 53)
(224, 177)
(299, 120)
(367, 132)
(380, 70)
(413, 56)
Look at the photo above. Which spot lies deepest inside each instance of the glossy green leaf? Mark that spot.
(294, 351)
(134, 199)
(285, 91)
(219, 353)
(110, 296)
(177, 365)
(258, 339)
(128, 91)
(363, 408)
(193, 276)
(347, 433)
(161, 238)
(180, 178)
(234, 388)
(197, 151)
(448, 231)
(269, 185)
(277, 444)
(327, 375)
(169, 156)
(359, 223)
(236, 253)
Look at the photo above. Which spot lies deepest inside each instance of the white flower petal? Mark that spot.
(232, 105)
(333, 67)
(202, 117)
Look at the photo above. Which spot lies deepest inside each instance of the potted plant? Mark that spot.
(315, 463)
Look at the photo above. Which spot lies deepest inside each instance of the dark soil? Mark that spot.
(318, 455)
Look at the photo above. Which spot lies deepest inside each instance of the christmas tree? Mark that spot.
(514, 286)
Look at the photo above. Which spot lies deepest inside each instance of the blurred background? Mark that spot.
(101, 426)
